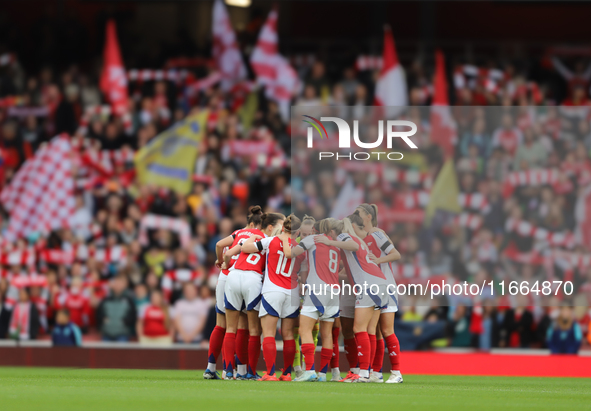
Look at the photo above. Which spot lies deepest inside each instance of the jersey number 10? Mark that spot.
(281, 264)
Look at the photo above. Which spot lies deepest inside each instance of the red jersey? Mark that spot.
(240, 236)
(77, 304)
(279, 272)
(153, 322)
(250, 262)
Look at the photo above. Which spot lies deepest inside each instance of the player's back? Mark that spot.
(250, 262)
(361, 268)
(323, 262)
(279, 271)
(380, 246)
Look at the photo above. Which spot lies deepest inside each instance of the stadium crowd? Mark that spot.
(119, 287)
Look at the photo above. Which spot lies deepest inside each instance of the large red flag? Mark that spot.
(113, 78)
(443, 126)
(391, 85)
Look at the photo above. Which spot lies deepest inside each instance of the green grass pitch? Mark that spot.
(64, 389)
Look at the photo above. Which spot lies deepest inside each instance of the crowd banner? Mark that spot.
(169, 159)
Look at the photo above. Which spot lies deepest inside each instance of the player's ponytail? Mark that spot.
(291, 224)
(348, 227)
(255, 216)
(372, 210)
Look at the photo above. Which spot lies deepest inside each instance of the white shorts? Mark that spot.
(219, 294)
(392, 305)
(314, 309)
(348, 305)
(243, 290)
(377, 300)
(278, 304)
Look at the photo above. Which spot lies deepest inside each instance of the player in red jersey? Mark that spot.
(369, 287)
(243, 292)
(254, 221)
(319, 304)
(383, 254)
(280, 297)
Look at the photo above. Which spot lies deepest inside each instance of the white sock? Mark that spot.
(378, 374)
(355, 370)
(396, 373)
(335, 371)
(211, 366)
(242, 370)
(322, 374)
(297, 368)
(364, 373)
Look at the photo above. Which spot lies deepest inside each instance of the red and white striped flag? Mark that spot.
(443, 127)
(272, 70)
(391, 85)
(225, 49)
(114, 78)
(40, 197)
(583, 217)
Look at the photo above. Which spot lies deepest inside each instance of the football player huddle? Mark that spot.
(286, 268)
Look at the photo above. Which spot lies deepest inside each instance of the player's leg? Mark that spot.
(297, 361)
(242, 336)
(315, 331)
(306, 325)
(232, 303)
(350, 346)
(334, 362)
(229, 345)
(216, 340)
(254, 342)
(326, 351)
(361, 325)
(393, 346)
(289, 350)
(378, 361)
(269, 327)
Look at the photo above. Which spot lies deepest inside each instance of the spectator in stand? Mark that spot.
(24, 320)
(65, 333)
(564, 335)
(154, 326)
(116, 315)
(190, 316)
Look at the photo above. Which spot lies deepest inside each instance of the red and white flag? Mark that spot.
(114, 78)
(272, 70)
(583, 217)
(391, 85)
(40, 197)
(225, 49)
(443, 127)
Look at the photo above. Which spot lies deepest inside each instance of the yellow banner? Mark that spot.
(444, 195)
(169, 159)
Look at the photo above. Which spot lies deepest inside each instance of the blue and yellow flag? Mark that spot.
(445, 192)
(169, 159)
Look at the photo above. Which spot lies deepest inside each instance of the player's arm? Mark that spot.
(387, 247)
(346, 243)
(250, 245)
(231, 253)
(219, 248)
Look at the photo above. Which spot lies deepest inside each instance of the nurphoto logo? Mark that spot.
(394, 129)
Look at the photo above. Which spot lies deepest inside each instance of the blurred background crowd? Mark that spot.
(521, 167)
